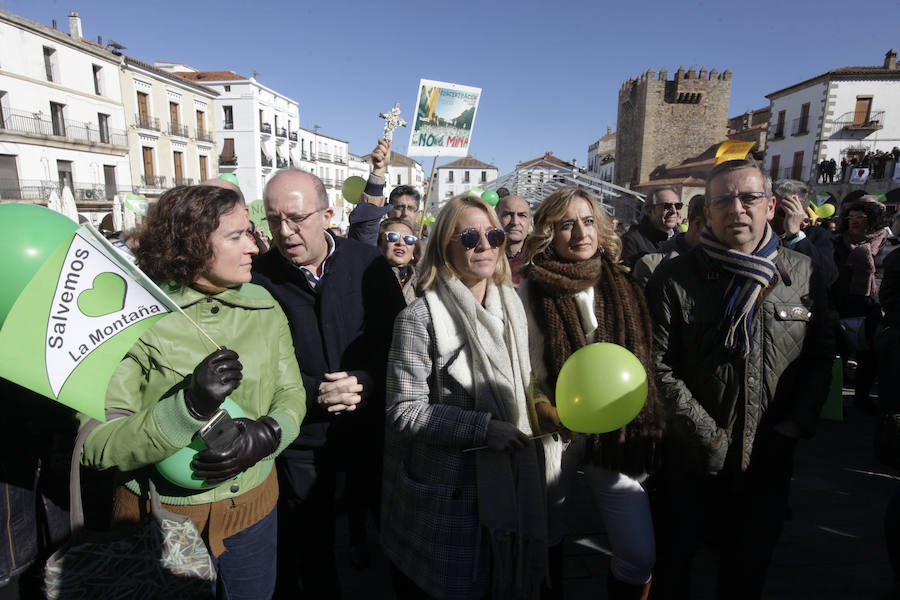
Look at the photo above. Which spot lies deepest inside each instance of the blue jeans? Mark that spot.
(247, 568)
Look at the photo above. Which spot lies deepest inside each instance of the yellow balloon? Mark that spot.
(825, 211)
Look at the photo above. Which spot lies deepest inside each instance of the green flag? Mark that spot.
(76, 319)
(136, 204)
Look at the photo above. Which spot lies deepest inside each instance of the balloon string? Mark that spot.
(534, 437)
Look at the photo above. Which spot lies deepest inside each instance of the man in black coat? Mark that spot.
(662, 213)
(340, 297)
(791, 200)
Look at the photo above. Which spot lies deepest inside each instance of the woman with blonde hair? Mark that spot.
(463, 503)
(576, 292)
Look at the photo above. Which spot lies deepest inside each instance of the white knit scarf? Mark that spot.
(511, 493)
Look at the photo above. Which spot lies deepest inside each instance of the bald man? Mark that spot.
(340, 297)
(216, 182)
(514, 213)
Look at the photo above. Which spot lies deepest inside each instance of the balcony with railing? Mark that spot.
(853, 121)
(339, 158)
(282, 132)
(183, 181)
(800, 126)
(327, 181)
(179, 130)
(293, 136)
(156, 182)
(34, 124)
(304, 155)
(38, 191)
(228, 161)
(229, 125)
(204, 136)
(266, 161)
(324, 156)
(281, 162)
(265, 128)
(147, 122)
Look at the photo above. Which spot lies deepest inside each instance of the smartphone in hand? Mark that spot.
(220, 431)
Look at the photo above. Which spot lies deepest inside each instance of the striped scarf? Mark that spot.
(752, 274)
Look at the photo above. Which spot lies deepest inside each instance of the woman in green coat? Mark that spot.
(197, 243)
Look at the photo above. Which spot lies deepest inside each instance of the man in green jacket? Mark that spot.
(743, 351)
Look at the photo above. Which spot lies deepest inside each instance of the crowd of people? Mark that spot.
(424, 373)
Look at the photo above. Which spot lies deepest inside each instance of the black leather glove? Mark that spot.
(258, 439)
(214, 378)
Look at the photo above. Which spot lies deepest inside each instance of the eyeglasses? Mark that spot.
(405, 208)
(747, 199)
(671, 205)
(393, 237)
(293, 222)
(472, 237)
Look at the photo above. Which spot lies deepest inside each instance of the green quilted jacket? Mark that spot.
(715, 400)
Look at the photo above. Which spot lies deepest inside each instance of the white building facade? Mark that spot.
(62, 123)
(170, 128)
(601, 161)
(843, 113)
(256, 128)
(458, 177)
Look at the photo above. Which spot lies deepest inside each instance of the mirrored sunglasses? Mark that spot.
(471, 237)
(393, 237)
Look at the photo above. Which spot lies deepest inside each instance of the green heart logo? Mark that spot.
(106, 296)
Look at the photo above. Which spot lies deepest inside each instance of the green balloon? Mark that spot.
(476, 192)
(825, 211)
(177, 468)
(491, 197)
(230, 178)
(600, 388)
(352, 188)
(30, 234)
(683, 227)
(429, 221)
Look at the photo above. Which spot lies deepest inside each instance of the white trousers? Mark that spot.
(621, 500)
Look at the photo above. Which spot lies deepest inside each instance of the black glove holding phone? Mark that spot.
(213, 379)
(257, 440)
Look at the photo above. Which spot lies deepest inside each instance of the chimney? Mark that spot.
(100, 39)
(608, 130)
(75, 25)
(890, 60)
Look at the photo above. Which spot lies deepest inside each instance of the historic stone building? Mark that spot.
(662, 122)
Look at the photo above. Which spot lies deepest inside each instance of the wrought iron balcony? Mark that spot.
(37, 190)
(204, 136)
(266, 161)
(324, 156)
(338, 158)
(147, 122)
(183, 181)
(852, 121)
(179, 130)
(282, 132)
(34, 124)
(157, 182)
(225, 161)
(265, 128)
(293, 136)
(281, 163)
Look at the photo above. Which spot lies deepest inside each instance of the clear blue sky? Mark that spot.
(550, 72)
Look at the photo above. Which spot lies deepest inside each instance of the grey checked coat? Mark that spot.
(429, 511)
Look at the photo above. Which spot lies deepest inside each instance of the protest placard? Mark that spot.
(445, 114)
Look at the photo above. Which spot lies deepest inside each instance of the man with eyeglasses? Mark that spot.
(791, 200)
(662, 213)
(340, 297)
(743, 347)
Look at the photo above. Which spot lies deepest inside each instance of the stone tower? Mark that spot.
(662, 122)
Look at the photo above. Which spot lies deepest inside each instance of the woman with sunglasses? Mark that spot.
(197, 244)
(577, 292)
(398, 244)
(462, 512)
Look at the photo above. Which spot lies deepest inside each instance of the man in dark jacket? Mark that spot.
(791, 200)
(743, 351)
(340, 297)
(662, 213)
